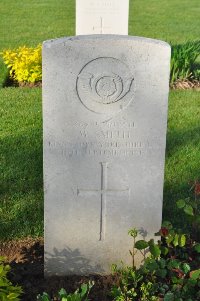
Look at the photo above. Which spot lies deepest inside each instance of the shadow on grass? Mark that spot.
(22, 189)
(22, 162)
(8, 82)
(22, 216)
(181, 138)
(179, 188)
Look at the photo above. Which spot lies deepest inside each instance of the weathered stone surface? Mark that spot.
(102, 17)
(105, 118)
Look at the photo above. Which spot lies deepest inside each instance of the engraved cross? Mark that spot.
(104, 192)
(101, 27)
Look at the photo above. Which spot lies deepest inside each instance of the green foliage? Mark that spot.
(8, 292)
(191, 208)
(170, 272)
(141, 244)
(24, 63)
(183, 61)
(79, 295)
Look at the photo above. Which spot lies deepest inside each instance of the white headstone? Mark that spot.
(102, 17)
(105, 118)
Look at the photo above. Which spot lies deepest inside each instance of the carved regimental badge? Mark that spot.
(105, 85)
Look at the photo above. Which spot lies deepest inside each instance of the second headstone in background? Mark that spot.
(102, 17)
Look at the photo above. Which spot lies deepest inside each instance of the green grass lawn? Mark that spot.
(21, 210)
(183, 150)
(174, 21)
(31, 22)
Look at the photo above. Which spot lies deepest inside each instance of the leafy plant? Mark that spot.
(183, 61)
(8, 291)
(24, 64)
(171, 271)
(191, 208)
(79, 295)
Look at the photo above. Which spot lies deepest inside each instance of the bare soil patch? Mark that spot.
(27, 262)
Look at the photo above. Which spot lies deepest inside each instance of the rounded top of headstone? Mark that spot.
(103, 37)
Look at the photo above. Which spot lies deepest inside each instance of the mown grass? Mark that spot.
(31, 22)
(21, 209)
(182, 166)
(174, 21)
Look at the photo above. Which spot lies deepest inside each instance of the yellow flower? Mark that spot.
(24, 63)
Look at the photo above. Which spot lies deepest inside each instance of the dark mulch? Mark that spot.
(27, 262)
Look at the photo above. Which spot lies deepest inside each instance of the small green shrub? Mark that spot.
(171, 272)
(79, 295)
(24, 63)
(8, 292)
(183, 61)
